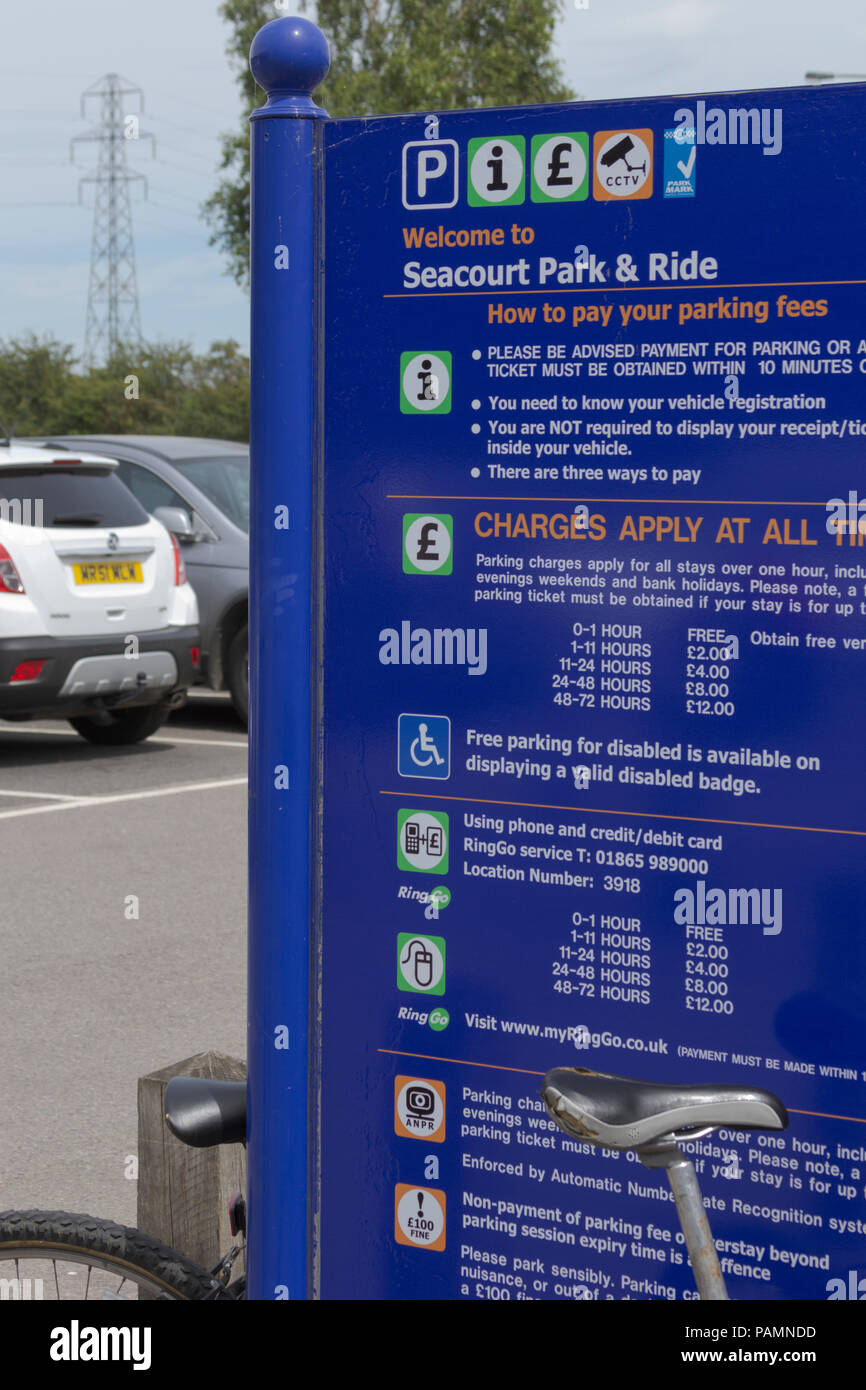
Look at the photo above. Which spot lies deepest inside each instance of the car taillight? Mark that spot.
(195, 656)
(27, 671)
(179, 566)
(10, 579)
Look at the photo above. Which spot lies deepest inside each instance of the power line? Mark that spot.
(28, 114)
(170, 193)
(190, 129)
(150, 224)
(186, 168)
(178, 212)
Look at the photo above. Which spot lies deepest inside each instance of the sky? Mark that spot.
(174, 50)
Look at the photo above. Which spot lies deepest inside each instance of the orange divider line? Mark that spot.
(603, 811)
(458, 1061)
(613, 289)
(630, 501)
(822, 1115)
(526, 1071)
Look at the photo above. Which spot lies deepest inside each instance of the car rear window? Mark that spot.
(73, 496)
(226, 481)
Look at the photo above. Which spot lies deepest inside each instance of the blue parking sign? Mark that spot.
(655, 747)
(424, 746)
(430, 170)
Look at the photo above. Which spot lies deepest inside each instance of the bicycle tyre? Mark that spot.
(76, 1239)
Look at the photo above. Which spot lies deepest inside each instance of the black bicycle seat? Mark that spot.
(203, 1113)
(618, 1113)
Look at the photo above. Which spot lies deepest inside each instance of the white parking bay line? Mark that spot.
(211, 742)
(46, 796)
(84, 803)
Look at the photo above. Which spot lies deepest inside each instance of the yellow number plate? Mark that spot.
(109, 572)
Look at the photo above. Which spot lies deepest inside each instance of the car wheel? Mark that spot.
(124, 726)
(238, 672)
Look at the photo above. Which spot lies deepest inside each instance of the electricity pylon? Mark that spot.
(112, 300)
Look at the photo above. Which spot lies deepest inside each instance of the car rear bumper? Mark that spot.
(80, 674)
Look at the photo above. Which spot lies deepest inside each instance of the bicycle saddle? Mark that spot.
(203, 1113)
(618, 1113)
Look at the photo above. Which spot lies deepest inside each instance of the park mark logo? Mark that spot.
(680, 162)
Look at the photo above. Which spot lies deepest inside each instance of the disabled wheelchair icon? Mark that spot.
(424, 742)
(423, 750)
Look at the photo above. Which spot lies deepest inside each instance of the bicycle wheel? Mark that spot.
(62, 1256)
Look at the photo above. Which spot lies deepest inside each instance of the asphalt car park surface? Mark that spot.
(124, 925)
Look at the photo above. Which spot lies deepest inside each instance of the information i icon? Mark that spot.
(425, 383)
(496, 172)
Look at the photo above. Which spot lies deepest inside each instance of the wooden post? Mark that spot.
(184, 1193)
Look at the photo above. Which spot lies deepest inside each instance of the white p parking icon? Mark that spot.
(431, 165)
(430, 174)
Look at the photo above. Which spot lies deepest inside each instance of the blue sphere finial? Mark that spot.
(289, 58)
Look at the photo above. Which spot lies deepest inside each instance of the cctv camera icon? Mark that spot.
(620, 151)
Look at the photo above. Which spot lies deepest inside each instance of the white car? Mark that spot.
(98, 624)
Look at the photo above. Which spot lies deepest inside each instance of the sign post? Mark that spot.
(592, 617)
(289, 58)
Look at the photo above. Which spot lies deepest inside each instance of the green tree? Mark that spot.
(34, 377)
(389, 56)
(153, 388)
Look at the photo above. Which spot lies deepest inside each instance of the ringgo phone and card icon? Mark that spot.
(422, 841)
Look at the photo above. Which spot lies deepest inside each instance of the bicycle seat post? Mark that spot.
(692, 1215)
